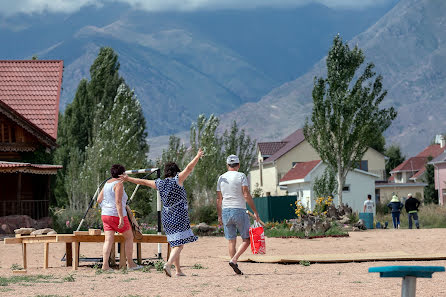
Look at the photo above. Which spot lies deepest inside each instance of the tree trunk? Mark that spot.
(340, 184)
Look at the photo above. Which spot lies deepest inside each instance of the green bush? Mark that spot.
(381, 208)
(67, 220)
(205, 213)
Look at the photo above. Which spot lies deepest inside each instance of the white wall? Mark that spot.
(361, 185)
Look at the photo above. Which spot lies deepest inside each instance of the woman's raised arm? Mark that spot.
(139, 181)
(185, 173)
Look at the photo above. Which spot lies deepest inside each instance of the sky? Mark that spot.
(12, 7)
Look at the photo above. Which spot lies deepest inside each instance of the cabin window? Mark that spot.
(7, 132)
(364, 165)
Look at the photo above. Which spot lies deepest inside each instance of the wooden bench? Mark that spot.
(71, 240)
(409, 275)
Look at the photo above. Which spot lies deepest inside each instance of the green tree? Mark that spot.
(325, 185)
(120, 139)
(346, 116)
(76, 125)
(395, 156)
(430, 194)
(236, 142)
(379, 144)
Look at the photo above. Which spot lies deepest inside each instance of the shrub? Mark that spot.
(67, 220)
(204, 213)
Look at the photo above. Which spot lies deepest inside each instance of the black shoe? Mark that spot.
(235, 268)
(418, 227)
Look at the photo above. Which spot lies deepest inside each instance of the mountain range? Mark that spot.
(182, 64)
(255, 66)
(408, 47)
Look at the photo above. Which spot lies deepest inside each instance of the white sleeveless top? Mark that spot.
(108, 205)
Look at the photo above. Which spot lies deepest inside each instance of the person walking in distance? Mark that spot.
(411, 206)
(232, 196)
(369, 205)
(395, 206)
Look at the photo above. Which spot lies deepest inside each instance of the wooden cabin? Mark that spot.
(29, 109)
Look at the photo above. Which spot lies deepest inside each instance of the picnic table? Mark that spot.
(409, 275)
(73, 241)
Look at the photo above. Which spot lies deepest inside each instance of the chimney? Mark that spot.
(439, 139)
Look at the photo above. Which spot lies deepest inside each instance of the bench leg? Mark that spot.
(76, 255)
(46, 246)
(69, 254)
(122, 258)
(138, 253)
(112, 258)
(24, 256)
(409, 286)
(168, 252)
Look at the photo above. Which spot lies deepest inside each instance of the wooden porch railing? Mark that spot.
(34, 208)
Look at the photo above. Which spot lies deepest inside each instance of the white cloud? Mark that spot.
(11, 7)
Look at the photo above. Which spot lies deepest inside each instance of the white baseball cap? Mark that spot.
(232, 159)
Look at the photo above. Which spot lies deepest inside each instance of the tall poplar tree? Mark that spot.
(346, 117)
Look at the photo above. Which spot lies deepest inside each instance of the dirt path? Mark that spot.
(217, 279)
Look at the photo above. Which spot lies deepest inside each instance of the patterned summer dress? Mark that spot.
(175, 215)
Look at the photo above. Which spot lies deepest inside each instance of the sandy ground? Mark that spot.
(218, 279)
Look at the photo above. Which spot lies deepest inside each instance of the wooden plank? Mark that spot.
(94, 231)
(12, 240)
(25, 265)
(138, 253)
(122, 258)
(69, 254)
(46, 246)
(19, 271)
(76, 233)
(39, 239)
(76, 255)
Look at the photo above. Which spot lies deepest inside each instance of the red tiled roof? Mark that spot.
(269, 148)
(300, 170)
(32, 89)
(291, 141)
(434, 150)
(15, 167)
(419, 173)
(411, 164)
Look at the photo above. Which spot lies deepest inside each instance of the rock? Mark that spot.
(45, 222)
(41, 231)
(203, 227)
(360, 224)
(16, 222)
(344, 220)
(52, 232)
(356, 229)
(7, 229)
(24, 231)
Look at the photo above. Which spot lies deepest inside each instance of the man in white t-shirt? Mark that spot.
(369, 205)
(232, 196)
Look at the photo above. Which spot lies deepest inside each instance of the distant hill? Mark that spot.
(184, 64)
(408, 47)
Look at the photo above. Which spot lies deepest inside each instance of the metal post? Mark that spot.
(158, 208)
(409, 286)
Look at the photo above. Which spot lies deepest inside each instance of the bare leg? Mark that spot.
(178, 266)
(241, 249)
(109, 241)
(231, 245)
(128, 236)
(174, 258)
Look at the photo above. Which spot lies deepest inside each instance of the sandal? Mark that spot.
(235, 268)
(166, 269)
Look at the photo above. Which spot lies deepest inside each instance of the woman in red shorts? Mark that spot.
(112, 200)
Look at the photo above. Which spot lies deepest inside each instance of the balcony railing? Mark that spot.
(34, 208)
